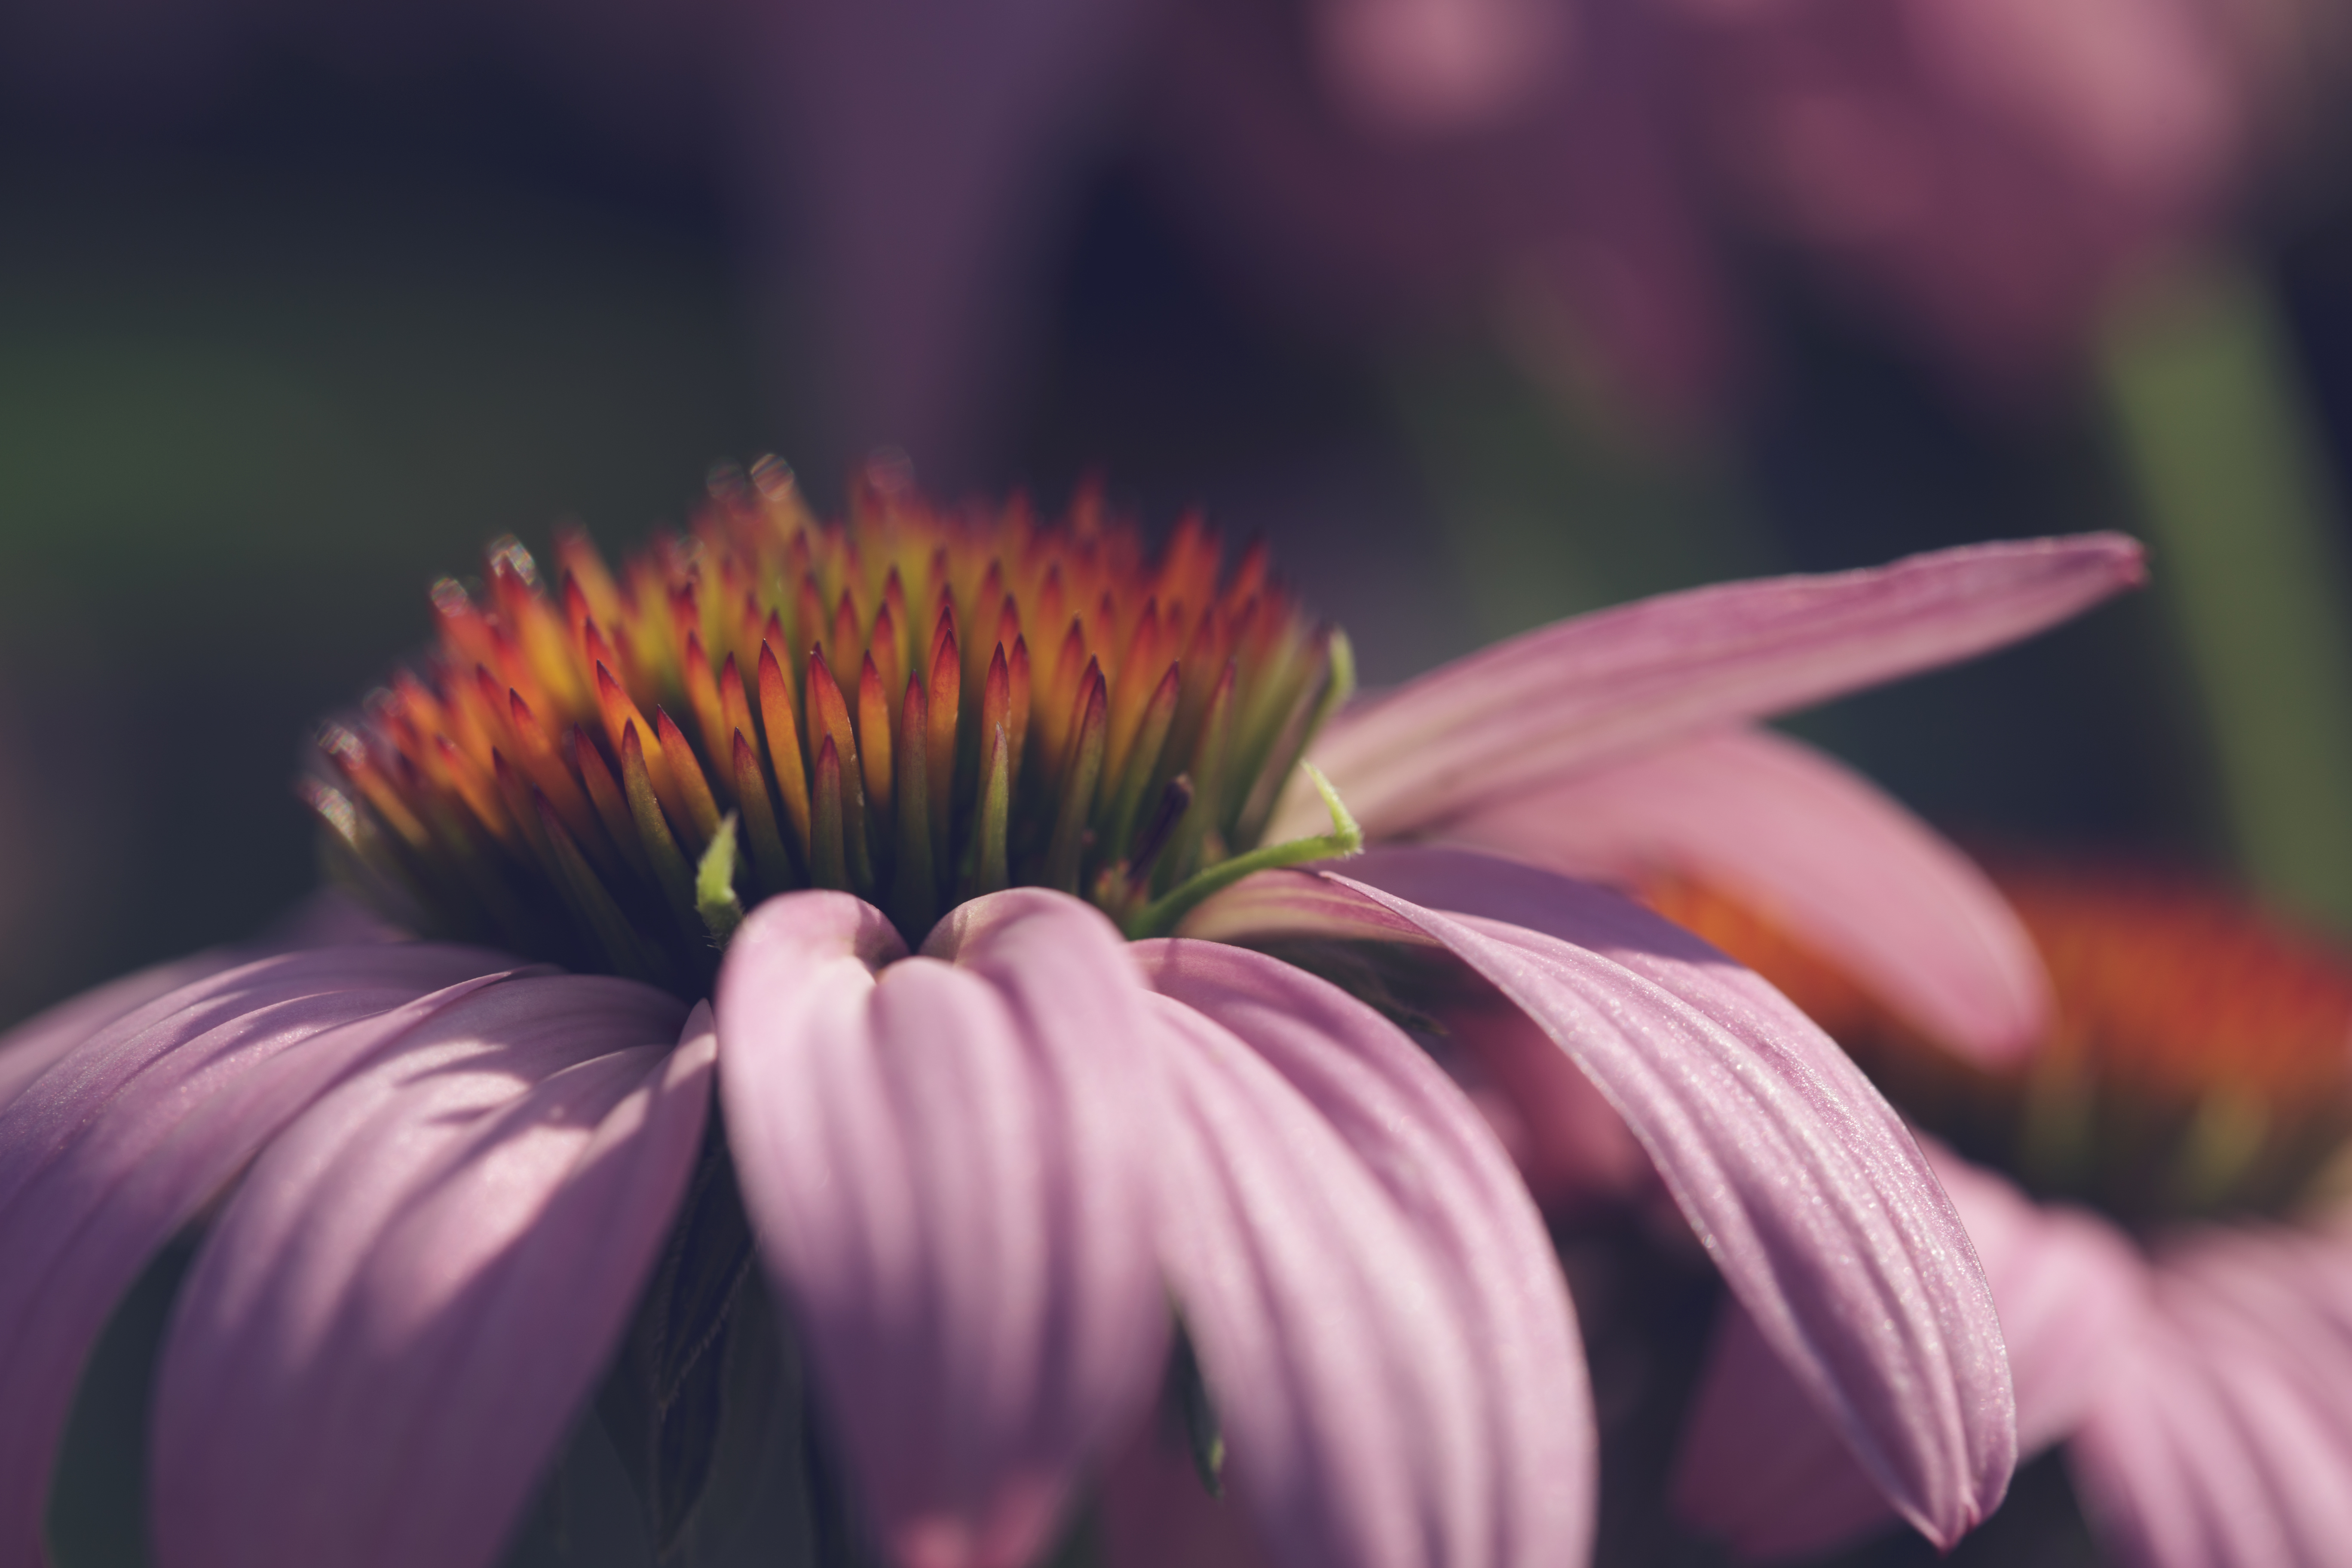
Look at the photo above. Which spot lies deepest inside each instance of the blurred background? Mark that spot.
(1485, 311)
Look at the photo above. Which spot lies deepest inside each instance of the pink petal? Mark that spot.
(1574, 1150)
(1494, 1453)
(944, 1163)
(129, 1135)
(2166, 1472)
(26, 1050)
(1297, 903)
(1813, 846)
(1800, 1179)
(2227, 1439)
(1760, 1468)
(325, 918)
(1602, 687)
(2069, 1287)
(1344, 1373)
(414, 1289)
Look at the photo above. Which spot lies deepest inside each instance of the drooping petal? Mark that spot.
(2069, 1286)
(2165, 1470)
(2225, 1440)
(414, 1289)
(1535, 709)
(1813, 846)
(1800, 1180)
(127, 1137)
(1345, 1380)
(1574, 1150)
(944, 1164)
(26, 1050)
(1762, 1468)
(325, 918)
(1307, 1430)
(1297, 903)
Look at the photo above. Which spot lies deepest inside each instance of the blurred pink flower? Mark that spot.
(1988, 175)
(432, 1180)
(2193, 1351)
(1986, 172)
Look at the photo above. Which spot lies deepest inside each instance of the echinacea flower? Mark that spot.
(2154, 1192)
(981, 1140)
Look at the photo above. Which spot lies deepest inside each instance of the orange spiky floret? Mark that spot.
(861, 695)
(2199, 1059)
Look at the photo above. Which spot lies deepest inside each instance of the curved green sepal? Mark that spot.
(1162, 916)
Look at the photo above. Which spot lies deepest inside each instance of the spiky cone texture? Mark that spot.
(919, 707)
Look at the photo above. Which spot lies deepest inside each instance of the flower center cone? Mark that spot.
(916, 705)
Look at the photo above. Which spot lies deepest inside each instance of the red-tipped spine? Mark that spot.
(886, 649)
(694, 790)
(772, 865)
(585, 567)
(783, 732)
(671, 871)
(1127, 787)
(613, 704)
(537, 755)
(604, 792)
(1017, 734)
(1208, 767)
(942, 704)
(996, 694)
(734, 707)
(350, 755)
(1080, 773)
(1139, 673)
(476, 788)
(915, 888)
(873, 739)
(828, 716)
(709, 714)
(843, 642)
(828, 853)
(810, 619)
(1061, 700)
(991, 817)
(893, 611)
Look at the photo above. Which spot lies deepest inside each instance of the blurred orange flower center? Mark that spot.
(2199, 1057)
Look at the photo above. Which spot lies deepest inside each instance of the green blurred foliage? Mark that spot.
(247, 413)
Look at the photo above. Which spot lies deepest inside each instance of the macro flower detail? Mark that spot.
(865, 697)
(1052, 1082)
(2153, 1191)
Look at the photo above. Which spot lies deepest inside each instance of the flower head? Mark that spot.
(862, 698)
(977, 1140)
(2158, 1221)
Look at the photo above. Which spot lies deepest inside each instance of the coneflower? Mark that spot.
(927, 841)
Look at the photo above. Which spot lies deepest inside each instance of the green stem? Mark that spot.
(1161, 915)
(2214, 431)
